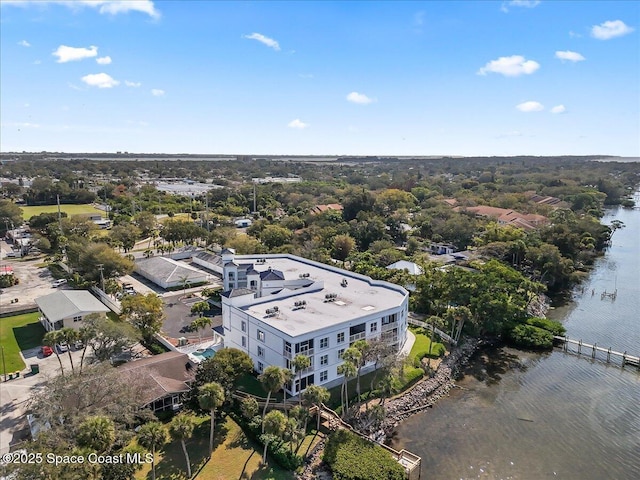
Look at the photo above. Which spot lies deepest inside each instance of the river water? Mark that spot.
(531, 416)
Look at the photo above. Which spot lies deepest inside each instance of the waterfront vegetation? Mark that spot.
(390, 210)
(19, 332)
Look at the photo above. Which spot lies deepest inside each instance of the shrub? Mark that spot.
(8, 280)
(353, 458)
(529, 336)
(556, 328)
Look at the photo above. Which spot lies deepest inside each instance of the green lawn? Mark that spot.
(234, 456)
(19, 332)
(70, 210)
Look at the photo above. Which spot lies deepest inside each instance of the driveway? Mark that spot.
(14, 394)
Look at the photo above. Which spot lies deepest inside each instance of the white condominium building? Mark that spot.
(277, 306)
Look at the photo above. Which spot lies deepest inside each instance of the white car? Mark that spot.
(59, 282)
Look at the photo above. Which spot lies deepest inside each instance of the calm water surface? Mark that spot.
(557, 415)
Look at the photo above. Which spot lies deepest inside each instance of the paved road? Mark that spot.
(14, 394)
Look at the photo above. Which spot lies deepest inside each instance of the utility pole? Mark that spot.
(4, 366)
(255, 199)
(101, 267)
(59, 213)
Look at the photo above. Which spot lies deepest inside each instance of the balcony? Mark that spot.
(356, 337)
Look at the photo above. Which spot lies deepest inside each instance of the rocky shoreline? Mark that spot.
(423, 395)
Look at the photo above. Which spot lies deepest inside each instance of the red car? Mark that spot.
(46, 351)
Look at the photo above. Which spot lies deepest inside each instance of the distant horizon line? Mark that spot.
(436, 156)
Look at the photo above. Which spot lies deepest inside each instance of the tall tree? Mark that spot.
(69, 335)
(145, 312)
(181, 428)
(51, 339)
(272, 379)
(226, 367)
(347, 370)
(151, 436)
(353, 355)
(316, 395)
(211, 398)
(300, 363)
(97, 432)
(273, 427)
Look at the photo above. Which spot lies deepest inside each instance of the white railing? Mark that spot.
(357, 336)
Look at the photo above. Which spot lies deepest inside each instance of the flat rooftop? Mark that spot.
(360, 297)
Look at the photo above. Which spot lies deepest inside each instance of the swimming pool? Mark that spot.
(204, 353)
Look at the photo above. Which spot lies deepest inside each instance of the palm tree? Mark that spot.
(201, 323)
(85, 335)
(69, 335)
(150, 436)
(300, 363)
(272, 379)
(97, 432)
(347, 369)
(361, 346)
(292, 432)
(181, 428)
(435, 322)
(353, 356)
(316, 395)
(274, 425)
(50, 339)
(211, 398)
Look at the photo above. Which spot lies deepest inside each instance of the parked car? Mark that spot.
(78, 345)
(46, 351)
(59, 282)
(62, 347)
(11, 255)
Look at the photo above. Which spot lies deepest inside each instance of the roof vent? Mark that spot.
(330, 297)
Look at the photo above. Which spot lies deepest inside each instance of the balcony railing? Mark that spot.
(357, 336)
(290, 355)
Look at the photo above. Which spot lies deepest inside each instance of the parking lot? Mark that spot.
(178, 316)
(35, 281)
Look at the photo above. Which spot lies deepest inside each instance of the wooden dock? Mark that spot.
(606, 354)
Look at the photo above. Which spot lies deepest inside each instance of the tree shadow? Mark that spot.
(489, 364)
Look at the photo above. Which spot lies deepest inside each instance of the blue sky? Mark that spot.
(334, 78)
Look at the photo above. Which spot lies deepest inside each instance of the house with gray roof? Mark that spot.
(168, 273)
(68, 308)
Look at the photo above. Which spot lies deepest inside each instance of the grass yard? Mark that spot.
(236, 457)
(70, 210)
(19, 332)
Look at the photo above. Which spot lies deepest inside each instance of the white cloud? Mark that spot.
(305, 75)
(418, 18)
(156, 92)
(530, 106)
(298, 124)
(24, 43)
(610, 29)
(512, 66)
(132, 84)
(100, 80)
(73, 54)
(559, 109)
(519, 3)
(103, 60)
(569, 56)
(112, 7)
(20, 125)
(359, 98)
(269, 42)
(573, 34)
(37, 62)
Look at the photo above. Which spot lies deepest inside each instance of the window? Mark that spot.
(340, 352)
(340, 337)
(324, 342)
(324, 360)
(244, 342)
(77, 319)
(261, 352)
(287, 349)
(374, 327)
(261, 335)
(244, 326)
(324, 375)
(260, 367)
(305, 347)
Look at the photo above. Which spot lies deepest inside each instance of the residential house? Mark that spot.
(68, 308)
